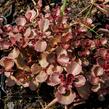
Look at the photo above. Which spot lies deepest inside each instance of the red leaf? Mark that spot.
(27, 32)
(35, 69)
(54, 79)
(7, 63)
(66, 99)
(30, 14)
(41, 46)
(42, 77)
(44, 24)
(43, 61)
(21, 21)
(79, 81)
(74, 68)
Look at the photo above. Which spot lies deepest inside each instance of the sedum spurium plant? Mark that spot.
(48, 47)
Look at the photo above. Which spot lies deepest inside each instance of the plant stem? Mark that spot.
(34, 2)
(106, 1)
(89, 11)
(51, 103)
(84, 10)
(63, 6)
(66, 107)
(101, 9)
(91, 29)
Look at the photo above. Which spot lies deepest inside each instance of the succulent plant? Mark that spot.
(49, 48)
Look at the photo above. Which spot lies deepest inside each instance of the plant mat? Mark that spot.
(18, 97)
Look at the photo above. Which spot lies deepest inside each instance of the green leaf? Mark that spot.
(63, 7)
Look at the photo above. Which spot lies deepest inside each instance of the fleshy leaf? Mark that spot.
(43, 61)
(35, 68)
(84, 91)
(7, 63)
(41, 46)
(79, 81)
(20, 63)
(44, 24)
(14, 53)
(74, 68)
(21, 21)
(54, 79)
(42, 77)
(66, 99)
(30, 14)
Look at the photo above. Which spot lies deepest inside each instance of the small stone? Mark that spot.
(101, 97)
